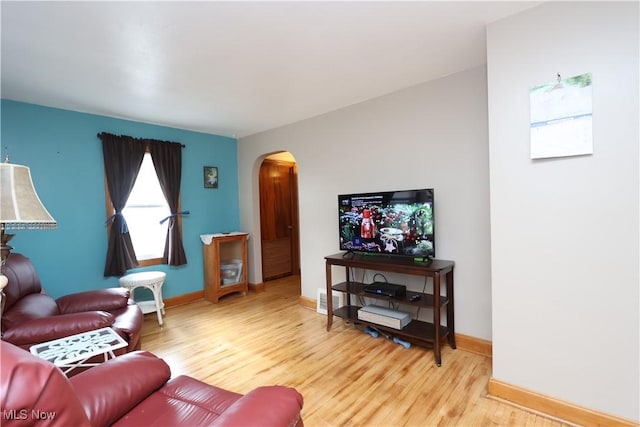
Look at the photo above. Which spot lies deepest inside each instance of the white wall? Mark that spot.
(564, 232)
(431, 135)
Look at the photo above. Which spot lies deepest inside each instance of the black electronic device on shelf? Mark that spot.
(386, 289)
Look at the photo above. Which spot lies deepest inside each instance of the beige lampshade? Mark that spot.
(20, 206)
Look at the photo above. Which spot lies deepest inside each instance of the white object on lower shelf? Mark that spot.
(230, 271)
(148, 306)
(384, 316)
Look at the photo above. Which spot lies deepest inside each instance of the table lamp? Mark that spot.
(20, 209)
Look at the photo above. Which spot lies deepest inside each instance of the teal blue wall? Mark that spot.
(65, 156)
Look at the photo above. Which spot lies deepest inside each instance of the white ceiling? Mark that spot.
(233, 68)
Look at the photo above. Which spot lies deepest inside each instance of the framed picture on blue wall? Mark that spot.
(210, 177)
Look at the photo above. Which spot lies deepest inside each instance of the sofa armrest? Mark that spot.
(36, 331)
(268, 406)
(98, 299)
(110, 390)
(30, 386)
(128, 323)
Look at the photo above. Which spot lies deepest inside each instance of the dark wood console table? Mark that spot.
(417, 331)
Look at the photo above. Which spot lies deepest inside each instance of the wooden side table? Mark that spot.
(152, 280)
(225, 264)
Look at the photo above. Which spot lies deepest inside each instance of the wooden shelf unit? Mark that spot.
(224, 247)
(417, 331)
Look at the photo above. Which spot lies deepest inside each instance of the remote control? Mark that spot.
(415, 297)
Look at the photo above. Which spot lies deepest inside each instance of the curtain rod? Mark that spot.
(182, 145)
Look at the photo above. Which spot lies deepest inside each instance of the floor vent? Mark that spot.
(321, 307)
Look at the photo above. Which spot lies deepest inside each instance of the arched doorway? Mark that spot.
(280, 243)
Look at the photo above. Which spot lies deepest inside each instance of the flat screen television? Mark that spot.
(388, 222)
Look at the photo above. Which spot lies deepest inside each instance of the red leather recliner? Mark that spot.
(131, 390)
(31, 316)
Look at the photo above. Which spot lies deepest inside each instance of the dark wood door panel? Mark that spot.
(276, 258)
(275, 201)
(279, 219)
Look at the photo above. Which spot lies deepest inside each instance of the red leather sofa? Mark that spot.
(30, 316)
(131, 390)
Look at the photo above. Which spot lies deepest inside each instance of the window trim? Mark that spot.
(111, 211)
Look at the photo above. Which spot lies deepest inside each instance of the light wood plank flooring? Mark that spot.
(347, 377)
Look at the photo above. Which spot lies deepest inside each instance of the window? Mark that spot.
(144, 210)
(123, 158)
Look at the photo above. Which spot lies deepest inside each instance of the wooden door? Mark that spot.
(279, 219)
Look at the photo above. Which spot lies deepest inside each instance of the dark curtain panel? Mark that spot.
(123, 157)
(167, 160)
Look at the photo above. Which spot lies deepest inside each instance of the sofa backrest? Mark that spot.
(25, 298)
(23, 279)
(35, 392)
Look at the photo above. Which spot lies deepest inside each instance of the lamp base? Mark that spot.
(5, 249)
(3, 297)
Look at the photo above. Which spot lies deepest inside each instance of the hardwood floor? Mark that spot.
(347, 377)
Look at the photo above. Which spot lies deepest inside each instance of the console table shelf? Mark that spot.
(420, 332)
(416, 330)
(357, 288)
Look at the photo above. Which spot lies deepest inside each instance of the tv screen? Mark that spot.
(388, 222)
